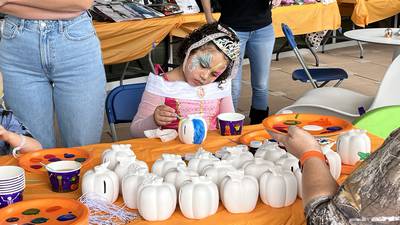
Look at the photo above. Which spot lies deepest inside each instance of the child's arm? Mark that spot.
(16, 140)
(144, 118)
(226, 105)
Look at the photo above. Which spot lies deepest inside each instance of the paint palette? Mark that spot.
(317, 125)
(50, 211)
(32, 161)
(258, 135)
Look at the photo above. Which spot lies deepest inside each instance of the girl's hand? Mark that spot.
(164, 115)
(4, 134)
(297, 141)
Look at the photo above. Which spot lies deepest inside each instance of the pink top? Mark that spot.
(208, 100)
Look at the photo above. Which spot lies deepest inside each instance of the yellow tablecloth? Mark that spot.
(126, 41)
(149, 150)
(369, 11)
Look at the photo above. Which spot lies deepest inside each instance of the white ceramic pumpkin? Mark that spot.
(270, 151)
(130, 186)
(101, 181)
(351, 143)
(334, 160)
(232, 189)
(237, 156)
(179, 176)
(156, 200)
(278, 187)
(217, 171)
(288, 162)
(201, 159)
(116, 150)
(123, 164)
(257, 167)
(137, 165)
(299, 177)
(226, 151)
(199, 198)
(192, 130)
(165, 163)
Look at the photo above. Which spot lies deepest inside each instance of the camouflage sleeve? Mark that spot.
(323, 211)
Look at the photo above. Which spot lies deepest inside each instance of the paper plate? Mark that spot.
(45, 211)
(317, 125)
(257, 135)
(32, 161)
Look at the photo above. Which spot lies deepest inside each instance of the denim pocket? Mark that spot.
(9, 30)
(80, 30)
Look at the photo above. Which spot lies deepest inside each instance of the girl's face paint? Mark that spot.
(204, 67)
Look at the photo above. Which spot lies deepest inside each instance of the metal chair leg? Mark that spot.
(361, 49)
(113, 132)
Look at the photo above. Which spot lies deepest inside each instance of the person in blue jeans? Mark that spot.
(51, 61)
(251, 19)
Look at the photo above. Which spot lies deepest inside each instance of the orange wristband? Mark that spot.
(311, 154)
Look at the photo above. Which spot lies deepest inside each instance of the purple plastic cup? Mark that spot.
(230, 123)
(8, 199)
(64, 175)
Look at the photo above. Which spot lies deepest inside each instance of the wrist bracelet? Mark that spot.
(20, 146)
(311, 154)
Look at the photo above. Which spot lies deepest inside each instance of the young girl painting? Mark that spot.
(201, 85)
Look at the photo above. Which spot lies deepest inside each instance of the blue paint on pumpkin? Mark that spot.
(199, 131)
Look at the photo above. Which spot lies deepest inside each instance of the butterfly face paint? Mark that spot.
(205, 66)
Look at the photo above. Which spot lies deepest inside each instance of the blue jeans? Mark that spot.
(54, 66)
(258, 46)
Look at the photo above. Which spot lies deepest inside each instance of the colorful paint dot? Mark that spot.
(334, 128)
(49, 156)
(53, 208)
(36, 167)
(81, 160)
(54, 159)
(292, 122)
(68, 155)
(31, 211)
(39, 220)
(312, 128)
(35, 160)
(66, 217)
(12, 219)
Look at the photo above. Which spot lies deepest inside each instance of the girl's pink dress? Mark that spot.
(208, 100)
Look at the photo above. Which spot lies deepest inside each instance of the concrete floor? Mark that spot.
(364, 77)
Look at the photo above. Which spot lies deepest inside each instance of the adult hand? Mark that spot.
(209, 18)
(4, 134)
(164, 115)
(297, 141)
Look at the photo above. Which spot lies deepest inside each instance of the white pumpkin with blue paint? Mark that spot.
(192, 130)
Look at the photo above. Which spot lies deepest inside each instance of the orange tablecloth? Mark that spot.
(369, 11)
(126, 41)
(149, 151)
